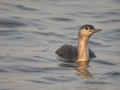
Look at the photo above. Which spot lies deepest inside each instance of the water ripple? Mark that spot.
(22, 7)
(24, 59)
(113, 74)
(4, 89)
(109, 21)
(10, 23)
(2, 71)
(39, 81)
(61, 19)
(103, 62)
(111, 13)
(30, 69)
(96, 82)
(7, 32)
(60, 79)
(49, 34)
(105, 14)
(114, 34)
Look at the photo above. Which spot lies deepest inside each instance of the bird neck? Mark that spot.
(82, 49)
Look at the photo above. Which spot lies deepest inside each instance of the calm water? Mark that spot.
(31, 31)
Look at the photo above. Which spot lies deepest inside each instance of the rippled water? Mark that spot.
(31, 31)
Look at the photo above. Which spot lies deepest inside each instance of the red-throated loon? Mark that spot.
(81, 51)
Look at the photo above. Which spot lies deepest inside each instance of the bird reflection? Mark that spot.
(81, 67)
(82, 70)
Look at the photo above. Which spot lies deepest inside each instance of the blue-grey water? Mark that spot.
(31, 31)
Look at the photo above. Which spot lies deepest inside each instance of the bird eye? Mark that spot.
(86, 28)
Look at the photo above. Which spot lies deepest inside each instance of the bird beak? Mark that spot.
(97, 30)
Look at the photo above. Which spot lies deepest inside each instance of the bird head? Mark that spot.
(88, 30)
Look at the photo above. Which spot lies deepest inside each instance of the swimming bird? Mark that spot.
(81, 52)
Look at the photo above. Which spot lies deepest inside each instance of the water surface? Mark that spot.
(31, 31)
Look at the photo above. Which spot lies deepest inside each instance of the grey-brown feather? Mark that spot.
(70, 52)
